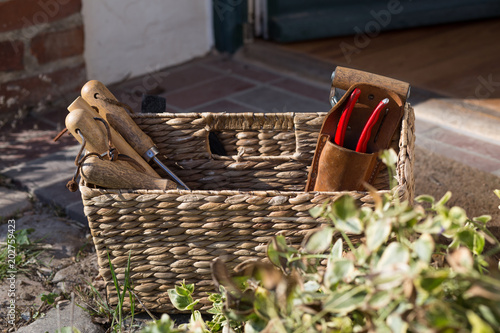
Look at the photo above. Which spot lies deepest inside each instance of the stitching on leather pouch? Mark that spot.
(370, 180)
(319, 149)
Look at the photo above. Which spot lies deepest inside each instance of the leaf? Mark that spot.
(181, 302)
(458, 214)
(337, 249)
(320, 240)
(478, 325)
(351, 225)
(316, 211)
(69, 329)
(472, 239)
(424, 247)
(425, 198)
(433, 280)
(22, 236)
(182, 290)
(394, 254)
(430, 225)
(389, 157)
(397, 324)
(255, 325)
(276, 249)
(380, 299)
(488, 314)
(389, 279)
(446, 197)
(48, 298)
(311, 286)
(346, 301)
(337, 270)
(344, 207)
(262, 303)
(377, 233)
(461, 260)
(482, 219)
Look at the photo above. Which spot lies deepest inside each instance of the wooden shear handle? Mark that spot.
(344, 78)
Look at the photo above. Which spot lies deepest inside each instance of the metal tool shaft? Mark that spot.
(170, 173)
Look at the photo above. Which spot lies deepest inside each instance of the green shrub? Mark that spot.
(390, 268)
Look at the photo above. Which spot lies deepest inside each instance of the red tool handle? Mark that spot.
(367, 130)
(344, 119)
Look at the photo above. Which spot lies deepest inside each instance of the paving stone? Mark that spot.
(26, 145)
(69, 315)
(273, 100)
(57, 194)
(206, 92)
(304, 89)
(243, 70)
(224, 106)
(162, 82)
(45, 171)
(75, 212)
(65, 236)
(13, 202)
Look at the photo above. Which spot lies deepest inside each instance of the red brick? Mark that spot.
(16, 14)
(11, 55)
(53, 46)
(29, 92)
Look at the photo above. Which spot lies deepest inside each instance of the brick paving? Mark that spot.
(216, 84)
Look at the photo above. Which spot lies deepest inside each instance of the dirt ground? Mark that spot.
(64, 264)
(471, 189)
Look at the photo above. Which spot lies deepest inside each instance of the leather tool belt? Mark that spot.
(341, 165)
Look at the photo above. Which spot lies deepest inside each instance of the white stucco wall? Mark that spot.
(134, 37)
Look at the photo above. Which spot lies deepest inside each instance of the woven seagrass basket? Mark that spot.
(237, 203)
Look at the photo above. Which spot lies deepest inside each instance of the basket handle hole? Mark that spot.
(215, 144)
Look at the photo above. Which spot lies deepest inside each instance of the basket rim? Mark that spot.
(235, 114)
(400, 163)
(229, 192)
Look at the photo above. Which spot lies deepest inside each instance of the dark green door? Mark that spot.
(296, 20)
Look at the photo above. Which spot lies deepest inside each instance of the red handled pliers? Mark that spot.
(344, 119)
(367, 130)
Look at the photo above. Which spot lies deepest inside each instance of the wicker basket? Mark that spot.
(237, 204)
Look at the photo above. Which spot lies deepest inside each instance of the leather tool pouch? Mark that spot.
(337, 168)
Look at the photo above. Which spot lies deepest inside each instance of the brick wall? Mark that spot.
(41, 55)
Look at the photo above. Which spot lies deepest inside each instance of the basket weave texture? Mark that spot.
(237, 203)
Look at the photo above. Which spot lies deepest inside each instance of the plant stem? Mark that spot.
(349, 243)
(309, 256)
